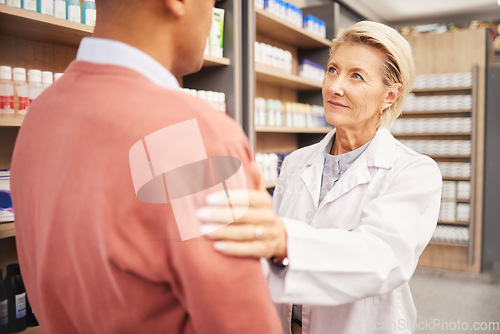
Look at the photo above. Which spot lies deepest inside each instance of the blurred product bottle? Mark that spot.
(88, 12)
(13, 3)
(34, 85)
(45, 7)
(16, 299)
(4, 312)
(73, 11)
(28, 5)
(46, 79)
(20, 90)
(60, 9)
(6, 91)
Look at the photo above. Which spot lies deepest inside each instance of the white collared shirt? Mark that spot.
(111, 52)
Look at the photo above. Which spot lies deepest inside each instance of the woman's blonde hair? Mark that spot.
(399, 66)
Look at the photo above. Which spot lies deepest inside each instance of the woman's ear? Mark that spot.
(176, 7)
(392, 95)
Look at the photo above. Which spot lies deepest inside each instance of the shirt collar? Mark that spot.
(111, 52)
(378, 154)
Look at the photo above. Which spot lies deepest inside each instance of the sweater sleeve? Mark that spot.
(223, 294)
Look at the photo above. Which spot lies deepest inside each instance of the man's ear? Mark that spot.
(393, 94)
(176, 7)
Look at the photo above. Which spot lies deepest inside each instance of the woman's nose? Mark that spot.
(336, 86)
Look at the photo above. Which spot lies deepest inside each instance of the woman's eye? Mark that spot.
(357, 76)
(332, 70)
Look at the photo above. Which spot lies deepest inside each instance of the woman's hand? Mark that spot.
(258, 233)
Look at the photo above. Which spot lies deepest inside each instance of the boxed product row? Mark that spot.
(64, 9)
(290, 114)
(448, 233)
(443, 80)
(292, 14)
(455, 169)
(215, 39)
(456, 190)
(311, 70)
(432, 125)
(439, 147)
(16, 94)
(273, 57)
(434, 103)
(452, 211)
(216, 99)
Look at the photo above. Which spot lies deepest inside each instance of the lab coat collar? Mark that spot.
(379, 154)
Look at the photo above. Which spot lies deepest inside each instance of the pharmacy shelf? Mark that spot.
(44, 28)
(437, 113)
(210, 61)
(445, 243)
(7, 230)
(285, 80)
(466, 89)
(456, 223)
(283, 31)
(278, 129)
(11, 120)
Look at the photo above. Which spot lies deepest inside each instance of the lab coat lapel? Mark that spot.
(313, 169)
(379, 154)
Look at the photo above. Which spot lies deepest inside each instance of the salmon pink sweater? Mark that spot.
(94, 258)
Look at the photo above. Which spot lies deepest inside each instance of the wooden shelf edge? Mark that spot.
(436, 134)
(445, 243)
(457, 223)
(11, 121)
(464, 112)
(277, 129)
(293, 81)
(270, 185)
(31, 330)
(7, 230)
(445, 178)
(441, 89)
(289, 33)
(211, 61)
(36, 26)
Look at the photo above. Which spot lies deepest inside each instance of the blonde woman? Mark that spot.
(352, 213)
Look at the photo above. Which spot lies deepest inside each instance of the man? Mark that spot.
(96, 256)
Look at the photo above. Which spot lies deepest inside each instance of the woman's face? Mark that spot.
(353, 88)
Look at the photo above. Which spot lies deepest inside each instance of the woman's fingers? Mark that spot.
(224, 216)
(241, 197)
(236, 232)
(252, 248)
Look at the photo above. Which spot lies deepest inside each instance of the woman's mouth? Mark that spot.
(335, 104)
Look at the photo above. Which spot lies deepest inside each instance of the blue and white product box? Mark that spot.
(6, 210)
(311, 70)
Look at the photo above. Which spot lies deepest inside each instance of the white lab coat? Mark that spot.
(351, 256)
